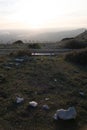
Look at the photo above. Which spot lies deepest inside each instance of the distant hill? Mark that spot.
(58, 35)
(80, 41)
(9, 36)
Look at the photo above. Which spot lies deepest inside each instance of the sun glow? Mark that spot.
(36, 14)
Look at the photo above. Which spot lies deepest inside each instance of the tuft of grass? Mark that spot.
(74, 44)
(34, 46)
(20, 53)
(78, 57)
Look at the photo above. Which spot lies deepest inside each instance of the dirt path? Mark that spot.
(55, 51)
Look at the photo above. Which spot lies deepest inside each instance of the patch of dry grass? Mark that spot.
(35, 80)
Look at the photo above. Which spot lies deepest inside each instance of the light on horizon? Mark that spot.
(36, 14)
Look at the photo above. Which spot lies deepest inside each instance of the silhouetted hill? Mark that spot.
(82, 36)
(80, 41)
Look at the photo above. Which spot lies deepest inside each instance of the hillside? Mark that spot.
(9, 36)
(78, 42)
(82, 36)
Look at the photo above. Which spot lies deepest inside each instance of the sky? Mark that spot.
(40, 14)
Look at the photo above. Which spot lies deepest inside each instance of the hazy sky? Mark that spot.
(36, 14)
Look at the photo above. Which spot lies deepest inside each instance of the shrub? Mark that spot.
(18, 42)
(21, 53)
(78, 57)
(34, 46)
(74, 44)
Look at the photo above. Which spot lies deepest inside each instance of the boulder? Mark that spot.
(63, 114)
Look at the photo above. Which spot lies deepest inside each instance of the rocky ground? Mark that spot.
(47, 80)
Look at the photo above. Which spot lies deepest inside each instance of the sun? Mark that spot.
(35, 13)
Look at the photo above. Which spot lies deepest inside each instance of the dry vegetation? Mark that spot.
(74, 44)
(79, 57)
(34, 79)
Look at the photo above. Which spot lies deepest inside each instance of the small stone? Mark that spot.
(46, 99)
(8, 67)
(19, 100)
(81, 93)
(36, 93)
(33, 104)
(55, 80)
(46, 107)
(76, 71)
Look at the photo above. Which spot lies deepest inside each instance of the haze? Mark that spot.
(41, 14)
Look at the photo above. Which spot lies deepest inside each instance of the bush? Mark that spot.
(34, 46)
(18, 42)
(78, 57)
(21, 53)
(74, 44)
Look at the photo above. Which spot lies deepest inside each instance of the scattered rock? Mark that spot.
(33, 104)
(46, 99)
(20, 60)
(63, 114)
(46, 107)
(82, 94)
(19, 100)
(76, 71)
(55, 80)
(36, 93)
(17, 64)
(7, 67)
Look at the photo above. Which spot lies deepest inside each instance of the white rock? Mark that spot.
(68, 114)
(46, 107)
(82, 93)
(33, 104)
(55, 80)
(55, 116)
(46, 99)
(19, 100)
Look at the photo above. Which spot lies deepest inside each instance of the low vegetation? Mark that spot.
(78, 57)
(21, 53)
(74, 44)
(19, 42)
(37, 79)
(34, 46)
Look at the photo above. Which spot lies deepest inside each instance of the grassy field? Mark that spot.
(35, 80)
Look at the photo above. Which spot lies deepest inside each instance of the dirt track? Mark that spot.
(55, 51)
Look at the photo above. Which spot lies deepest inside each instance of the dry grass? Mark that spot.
(78, 57)
(34, 80)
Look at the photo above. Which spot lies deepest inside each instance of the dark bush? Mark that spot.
(64, 39)
(18, 42)
(34, 46)
(21, 53)
(78, 57)
(74, 44)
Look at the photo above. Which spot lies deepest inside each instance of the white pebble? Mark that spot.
(33, 104)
